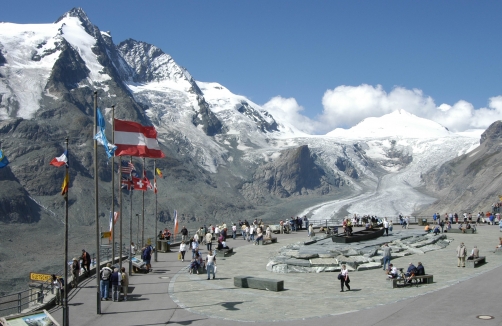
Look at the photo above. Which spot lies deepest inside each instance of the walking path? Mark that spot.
(170, 295)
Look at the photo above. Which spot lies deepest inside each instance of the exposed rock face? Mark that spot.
(470, 181)
(295, 172)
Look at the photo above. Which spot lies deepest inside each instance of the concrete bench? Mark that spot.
(269, 240)
(475, 262)
(457, 230)
(421, 279)
(258, 283)
(225, 252)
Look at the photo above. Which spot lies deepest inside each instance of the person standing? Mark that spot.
(210, 264)
(133, 249)
(386, 255)
(306, 222)
(115, 278)
(147, 257)
(311, 230)
(209, 241)
(461, 253)
(58, 285)
(344, 278)
(104, 283)
(195, 248)
(386, 226)
(124, 284)
(75, 272)
(234, 231)
(86, 262)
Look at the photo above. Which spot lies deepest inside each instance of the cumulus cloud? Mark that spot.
(345, 106)
(288, 111)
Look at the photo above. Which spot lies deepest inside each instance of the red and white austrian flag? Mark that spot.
(139, 184)
(133, 139)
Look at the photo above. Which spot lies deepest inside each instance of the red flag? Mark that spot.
(155, 185)
(139, 184)
(60, 160)
(133, 139)
(146, 181)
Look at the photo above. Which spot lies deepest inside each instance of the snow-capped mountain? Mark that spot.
(211, 136)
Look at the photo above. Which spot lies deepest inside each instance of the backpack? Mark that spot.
(105, 274)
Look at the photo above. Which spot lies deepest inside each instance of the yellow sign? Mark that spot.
(106, 234)
(40, 277)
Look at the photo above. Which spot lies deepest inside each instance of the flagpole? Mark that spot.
(143, 217)
(130, 219)
(66, 317)
(96, 206)
(113, 190)
(155, 190)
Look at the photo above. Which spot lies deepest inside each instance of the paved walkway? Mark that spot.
(170, 295)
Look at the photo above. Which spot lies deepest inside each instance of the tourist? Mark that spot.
(243, 231)
(246, 231)
(344, 278)
(86, 262)
(210, 264)
(217, 231)
(411, 272)
(183, 249)
(75, 272)
(252, 230)
(441, 225)
(209, 241)
(386, 226)
(115, 279)
(259, 236)
(147, 257)
(268, 233)
(474, 253)
(104, 282)
(392, 271)
(234, 231)
(390, 225)
(500, 243)
(420, 269)
(306, 222)
(58, 285)
(311, 231)
(124, 284)
(184, 234)
(386, 255)
(427, 228)
(133, 249)
(195, 264)
(195, 247)
(461, 253)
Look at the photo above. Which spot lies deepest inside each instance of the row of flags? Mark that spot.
(133, 182)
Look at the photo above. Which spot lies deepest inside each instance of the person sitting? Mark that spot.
(500, 243)
(461, 227)
(195, 264)
(166, 234)
(420, 271)
(392, 271)
(160, 235)
(474, 253)
(436, 230)
(427, 228)
(367, 226)
(411, 272)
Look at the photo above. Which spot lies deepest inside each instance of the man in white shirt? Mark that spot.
(386, 226)
(392, 271)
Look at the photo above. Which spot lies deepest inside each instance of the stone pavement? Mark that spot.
(170, 295)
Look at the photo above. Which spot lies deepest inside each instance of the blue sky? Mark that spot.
(314, 55)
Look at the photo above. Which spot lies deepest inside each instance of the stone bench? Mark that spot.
(225, 252)
(269, 240)
(258, 283)
(457, 230)
(424, 279)
(475, 262)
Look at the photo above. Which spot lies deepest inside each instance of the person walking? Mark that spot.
(58, 285)
(461, 253)
(86, 262)
(184, 234)
(75, 272)
(209, 241)
(104, 283)
(183, 249)
(386, 255)
(344, 278)
(210, 264)
(124, 284)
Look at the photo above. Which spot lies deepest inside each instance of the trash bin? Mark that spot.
(159, 245)
(163, 248)
(423, 222)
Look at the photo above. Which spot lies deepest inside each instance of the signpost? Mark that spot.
(39, 277)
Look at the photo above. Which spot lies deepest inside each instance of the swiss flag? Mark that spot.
(139, 184)
(146, 181)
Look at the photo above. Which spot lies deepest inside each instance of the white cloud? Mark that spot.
(345, 106)
(287, 110)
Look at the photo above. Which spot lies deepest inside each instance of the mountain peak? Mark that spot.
(400, 123)
(79, 13)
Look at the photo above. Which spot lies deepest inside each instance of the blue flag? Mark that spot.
(3, 160)
(101, 137)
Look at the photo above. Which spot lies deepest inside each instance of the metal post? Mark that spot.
(113, 189)
(96, 209)
(155, 190)
(130, 225)
(143, 211)
(137, 232)
(66, 318)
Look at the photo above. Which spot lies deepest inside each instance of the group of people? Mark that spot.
(462, 254)
(410, 273)
(117, 280)
(481, 217)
